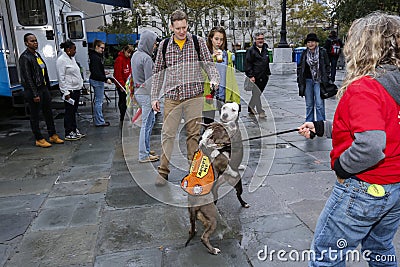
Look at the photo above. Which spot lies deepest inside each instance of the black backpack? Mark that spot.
(195, 42)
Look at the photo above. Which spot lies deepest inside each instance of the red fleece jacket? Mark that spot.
(122, 68)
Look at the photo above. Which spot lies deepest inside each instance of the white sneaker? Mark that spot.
(72, 137)
(79, 134)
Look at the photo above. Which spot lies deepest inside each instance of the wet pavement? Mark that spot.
(90, 203)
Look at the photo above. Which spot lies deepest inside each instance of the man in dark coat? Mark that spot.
(36, 83)
(333, 46)
(257, 70)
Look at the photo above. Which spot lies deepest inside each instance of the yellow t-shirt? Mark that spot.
(41, 64)
(180, 43)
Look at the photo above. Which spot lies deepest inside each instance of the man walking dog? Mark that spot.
(183, 88)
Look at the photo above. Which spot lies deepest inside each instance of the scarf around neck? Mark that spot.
(313, 62)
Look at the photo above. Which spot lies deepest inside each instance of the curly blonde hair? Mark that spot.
(372, 41)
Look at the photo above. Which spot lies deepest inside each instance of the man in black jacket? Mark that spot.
(257, 69)
(36, 83)
(333, 46)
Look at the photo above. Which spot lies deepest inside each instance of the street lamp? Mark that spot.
(137, 21)
(283, 43)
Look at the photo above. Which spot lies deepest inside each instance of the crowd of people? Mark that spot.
(364, 132)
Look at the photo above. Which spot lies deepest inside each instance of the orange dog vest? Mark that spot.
(201, 178)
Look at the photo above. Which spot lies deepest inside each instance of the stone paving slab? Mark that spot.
(277, 232)
(129, 196)
(288, 187)
(3, 254)
(16, 214)
(140, 257)
(264, 201)
(156, 225)
(15, 224)
(27, 186)
(69, 211)
(80, 187)
(85, 172)
(62, 247)
(195, 254)
(21, 203)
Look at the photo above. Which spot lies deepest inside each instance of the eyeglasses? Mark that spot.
(102, 47)
(259, 39)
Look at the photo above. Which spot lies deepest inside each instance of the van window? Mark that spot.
(75, 27)
(31, 12)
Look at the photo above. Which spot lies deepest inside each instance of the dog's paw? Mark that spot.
(233, 173)
(229, 171)
(215, 251)
(245, 205)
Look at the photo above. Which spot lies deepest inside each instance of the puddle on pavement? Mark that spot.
(8, 134)
(283, 145)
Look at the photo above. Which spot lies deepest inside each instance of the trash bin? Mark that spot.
(297, 54)
(240, 57)
(270, 55)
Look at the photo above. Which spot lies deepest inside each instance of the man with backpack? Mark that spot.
(333, 46)
(178, 72)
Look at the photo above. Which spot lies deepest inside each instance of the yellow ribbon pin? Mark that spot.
(376, 190)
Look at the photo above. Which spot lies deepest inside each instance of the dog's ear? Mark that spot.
(239, 106)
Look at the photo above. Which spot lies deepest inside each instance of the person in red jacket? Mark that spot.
(364, 206)
(122, 70)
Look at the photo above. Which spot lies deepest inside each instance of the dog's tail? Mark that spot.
(192, 231)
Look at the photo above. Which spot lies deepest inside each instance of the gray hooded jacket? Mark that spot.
(142, 63)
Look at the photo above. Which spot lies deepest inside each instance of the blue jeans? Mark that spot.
(352, 216)
(313, 97)
(98, 87)
(148, 119)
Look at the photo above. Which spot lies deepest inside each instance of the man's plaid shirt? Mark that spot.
(183, 77)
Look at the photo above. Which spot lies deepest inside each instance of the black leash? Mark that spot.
(269, 135)
(258, 137)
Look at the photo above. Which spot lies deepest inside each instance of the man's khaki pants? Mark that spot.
(192, 113)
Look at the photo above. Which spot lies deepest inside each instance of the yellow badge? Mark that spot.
(376, 190)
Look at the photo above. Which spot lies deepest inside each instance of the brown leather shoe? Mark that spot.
(56, 139)
(42, 143)
(161, 179)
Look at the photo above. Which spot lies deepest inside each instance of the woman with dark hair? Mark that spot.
(313, 70)
(70, 82)
(228, 90)
(122, 70)
(97, 79)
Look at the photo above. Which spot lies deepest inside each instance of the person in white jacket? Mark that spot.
(70, 82)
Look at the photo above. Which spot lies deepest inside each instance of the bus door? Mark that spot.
(36, 17)
(8, 53)
(75, 31)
